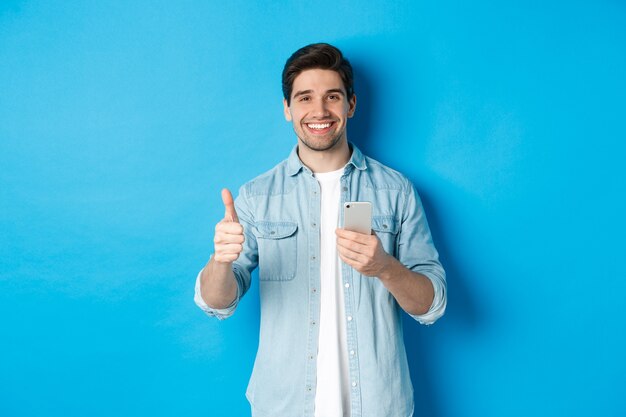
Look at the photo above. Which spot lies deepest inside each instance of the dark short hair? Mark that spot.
(317, 56)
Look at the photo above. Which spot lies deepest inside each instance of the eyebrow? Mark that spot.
(332, 90)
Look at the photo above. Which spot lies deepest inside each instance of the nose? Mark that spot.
(320, 109)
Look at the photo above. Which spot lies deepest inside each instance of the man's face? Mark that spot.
(319, 109)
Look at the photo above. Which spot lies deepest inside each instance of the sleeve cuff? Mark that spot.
(438, 307)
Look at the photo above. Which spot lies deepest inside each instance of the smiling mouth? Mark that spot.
(319, 128)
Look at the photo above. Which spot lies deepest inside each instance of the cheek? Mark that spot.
(295, 116)
(341, 110)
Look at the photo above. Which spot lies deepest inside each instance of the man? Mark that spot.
(331, 339)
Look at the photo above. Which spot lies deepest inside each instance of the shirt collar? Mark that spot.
(357, 159)
(295, 165)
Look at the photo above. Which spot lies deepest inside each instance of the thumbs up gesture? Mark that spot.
(229, 237)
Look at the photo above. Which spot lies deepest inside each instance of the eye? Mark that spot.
(333, 97)
(305, 98)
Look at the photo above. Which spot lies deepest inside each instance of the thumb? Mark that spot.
(229, 205)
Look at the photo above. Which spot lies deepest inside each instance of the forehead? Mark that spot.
(318, 80)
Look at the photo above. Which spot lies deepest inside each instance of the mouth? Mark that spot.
(319, 128)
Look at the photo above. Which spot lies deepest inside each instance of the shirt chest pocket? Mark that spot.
(277, 243)
(386, 228)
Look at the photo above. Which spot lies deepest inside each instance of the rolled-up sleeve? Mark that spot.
(418, 253)
(438, 307)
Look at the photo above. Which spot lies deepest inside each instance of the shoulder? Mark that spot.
(274, 181)
(383, 177)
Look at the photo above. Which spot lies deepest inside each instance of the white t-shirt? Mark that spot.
(332, 398)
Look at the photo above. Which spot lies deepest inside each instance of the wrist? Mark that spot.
(386, 273)
(218, 266)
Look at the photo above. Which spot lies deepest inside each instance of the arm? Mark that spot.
(414, 276)
(217, 284)
(413, 291)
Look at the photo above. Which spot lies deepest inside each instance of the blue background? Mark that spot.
(121, 121)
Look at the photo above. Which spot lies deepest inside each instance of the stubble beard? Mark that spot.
(322, 145)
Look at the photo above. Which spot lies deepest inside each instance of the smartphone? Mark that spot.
(357, 216)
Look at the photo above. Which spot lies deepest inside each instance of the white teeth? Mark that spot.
(318, 125)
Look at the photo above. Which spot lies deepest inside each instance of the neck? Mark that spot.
(325, 161)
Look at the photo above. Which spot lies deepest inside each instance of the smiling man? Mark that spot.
(331, 340)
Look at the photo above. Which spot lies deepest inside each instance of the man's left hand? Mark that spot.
(365, 253)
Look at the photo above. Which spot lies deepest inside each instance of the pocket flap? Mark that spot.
(276, 230)
(386, 224)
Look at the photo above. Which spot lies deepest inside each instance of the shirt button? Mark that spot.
(352, 353)
(314, 290)
(313, 257)
(345, 188)
(313, 224)
(312, 323)
(349, 318)
(347, 285)
(354, 384)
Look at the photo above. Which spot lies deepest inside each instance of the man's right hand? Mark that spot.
(228, 233)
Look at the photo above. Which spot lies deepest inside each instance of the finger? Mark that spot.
(349, 261)
(229, 205)
(354, 236)
(365, 244)
(351, 245)
(228, 238)
(229, 248)
(355, 258)
(230, 228)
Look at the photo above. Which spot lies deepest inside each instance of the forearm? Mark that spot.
(218, 285)
(413, 291)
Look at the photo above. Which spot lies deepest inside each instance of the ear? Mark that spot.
(352, 105)
(286, 110)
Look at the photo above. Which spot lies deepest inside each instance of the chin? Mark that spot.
(321, 146)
